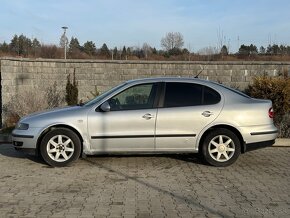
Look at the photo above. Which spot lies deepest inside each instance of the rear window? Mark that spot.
(234, 90)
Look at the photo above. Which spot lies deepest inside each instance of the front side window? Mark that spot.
(134, 98)
(189, 94)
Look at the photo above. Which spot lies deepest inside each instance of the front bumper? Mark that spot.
(24, 143)
(25, 139)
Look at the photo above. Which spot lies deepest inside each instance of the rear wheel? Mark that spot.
(60, 147)
(221, 148)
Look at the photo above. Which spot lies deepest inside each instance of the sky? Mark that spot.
(202, 23)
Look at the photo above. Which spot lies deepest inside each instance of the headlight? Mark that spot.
(22, 126)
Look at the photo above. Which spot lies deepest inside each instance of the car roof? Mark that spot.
(167, 79)
(218, 87)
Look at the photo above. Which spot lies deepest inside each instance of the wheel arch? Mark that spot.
(45, 131)
(223, 126)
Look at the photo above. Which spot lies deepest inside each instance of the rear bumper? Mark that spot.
(258, 145)
(259, 134)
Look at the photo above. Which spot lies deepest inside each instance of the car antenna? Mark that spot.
(202, 68)
(198, 74)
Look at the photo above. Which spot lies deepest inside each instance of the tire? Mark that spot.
(60, 147)
(221, 148)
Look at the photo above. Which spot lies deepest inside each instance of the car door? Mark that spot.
(187, 109)
(129, 125)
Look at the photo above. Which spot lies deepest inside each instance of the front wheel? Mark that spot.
(60, 147)
(221, 148)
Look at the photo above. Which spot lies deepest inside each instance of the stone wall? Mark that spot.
(24, 74)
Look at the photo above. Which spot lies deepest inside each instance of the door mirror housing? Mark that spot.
(105, 107)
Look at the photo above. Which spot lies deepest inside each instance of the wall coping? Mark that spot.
(145, 62)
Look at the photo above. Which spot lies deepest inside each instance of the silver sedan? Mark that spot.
(155, 115)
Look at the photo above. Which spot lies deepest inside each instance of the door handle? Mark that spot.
(207, 113)
(148, 116)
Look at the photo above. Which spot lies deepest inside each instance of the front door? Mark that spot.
(130, 123)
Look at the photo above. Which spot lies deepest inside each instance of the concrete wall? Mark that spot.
(24, 74)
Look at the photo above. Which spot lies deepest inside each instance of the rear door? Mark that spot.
(187, 109)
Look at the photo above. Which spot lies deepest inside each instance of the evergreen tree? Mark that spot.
(25, 45)
(20, 45)
(124, 53)
(105, 51)
(185, 51)
(174, 52)
(224, 51)
(115, 53)
(4, 47)
(128, 51)
(89, 48)
(36, 47)
(262, 50)
(276, 49)
(269, 50)
(74, 46)
(71, 96)
(248, 50)
(253, 49)
(14, 45)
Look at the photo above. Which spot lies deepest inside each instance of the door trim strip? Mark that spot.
(142, 136)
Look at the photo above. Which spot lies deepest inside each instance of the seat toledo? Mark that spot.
(155, 115)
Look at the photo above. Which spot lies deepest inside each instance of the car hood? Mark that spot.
(55, 113)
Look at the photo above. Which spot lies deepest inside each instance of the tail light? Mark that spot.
(271, 113)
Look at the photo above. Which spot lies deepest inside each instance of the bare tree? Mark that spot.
(220, 39)
(189, 51)
(147, 49)
(208, 51)
(172, 40)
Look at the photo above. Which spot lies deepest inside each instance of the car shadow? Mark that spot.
(9, 151)
(191, 158)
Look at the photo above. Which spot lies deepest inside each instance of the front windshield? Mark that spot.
(103, 95)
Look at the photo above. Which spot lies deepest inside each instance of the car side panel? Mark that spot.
(178, 127)
(121, 130)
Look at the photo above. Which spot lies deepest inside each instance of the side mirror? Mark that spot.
(105, 107)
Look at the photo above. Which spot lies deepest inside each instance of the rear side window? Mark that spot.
(210, 96)
(189, 94)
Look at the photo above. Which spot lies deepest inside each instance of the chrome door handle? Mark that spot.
(207, 113)
(148, 116)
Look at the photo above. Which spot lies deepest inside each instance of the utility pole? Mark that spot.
(64, 40)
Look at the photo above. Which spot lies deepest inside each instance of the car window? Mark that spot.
(182, 94)
(134, 98)
(104, 95)
(189, 94)
(210, 96)
(233, 90)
